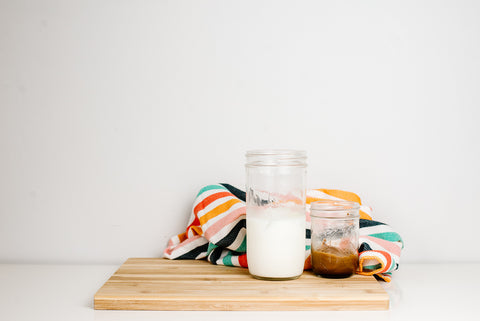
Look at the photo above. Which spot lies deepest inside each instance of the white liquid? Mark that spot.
(276, 242)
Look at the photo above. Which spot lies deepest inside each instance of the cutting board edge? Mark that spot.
(240, 305)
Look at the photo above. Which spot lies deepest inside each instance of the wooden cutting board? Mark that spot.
(161, 284)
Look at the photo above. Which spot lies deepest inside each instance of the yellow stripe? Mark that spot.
(347, 196)
(365, 216)
(363, 258)
(197, 230)
(222, 208)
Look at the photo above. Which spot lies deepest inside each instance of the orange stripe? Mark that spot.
(388, 257)
(384, 266)
(208, 200)
(307, 265)
(384, 277)
(365, 216)
(220, 209)
(312, 199)
(197, 230)
(182, 237)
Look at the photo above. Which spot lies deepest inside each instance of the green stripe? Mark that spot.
(211, 247)
(368, 268)
(208, 188)
(227, 260)
(388, 236)
(307, 247)
(243, 247)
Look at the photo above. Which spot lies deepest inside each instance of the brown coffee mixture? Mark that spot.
(333, 262)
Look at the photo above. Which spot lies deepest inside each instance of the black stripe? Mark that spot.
(235, 191)
(368, 223)
(378, 277)
(194, 253)
(215, 255)
(308, 233)
(364, 247)
(232, 235)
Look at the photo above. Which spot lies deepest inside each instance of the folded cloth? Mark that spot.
(217, 231)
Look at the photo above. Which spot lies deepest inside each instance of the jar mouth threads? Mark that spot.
(276, 157)
(339, 209)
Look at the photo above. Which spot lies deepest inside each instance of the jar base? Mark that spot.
(334, 276)
(264, 278)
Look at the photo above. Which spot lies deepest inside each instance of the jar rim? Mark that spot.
(276, 157)
(278, 152)
(339, 209)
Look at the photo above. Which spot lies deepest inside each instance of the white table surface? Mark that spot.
(65, 292)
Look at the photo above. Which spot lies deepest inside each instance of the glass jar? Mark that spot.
(275, 185)
(334, 238)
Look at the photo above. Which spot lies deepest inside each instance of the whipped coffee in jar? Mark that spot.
(335, 225)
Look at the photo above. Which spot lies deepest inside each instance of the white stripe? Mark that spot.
(174, 240)
(220, 259)
(378, 255)
(238, 240)
(368, 262)
(377, 247)
(235, 261)
(206, 194)
(190, 246)
(318, 194)
(186, 248)
(369, 230)
(366, 209)
(201, 255)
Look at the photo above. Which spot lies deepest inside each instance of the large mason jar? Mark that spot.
(275, 185)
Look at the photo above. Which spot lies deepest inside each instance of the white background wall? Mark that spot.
(114, 113)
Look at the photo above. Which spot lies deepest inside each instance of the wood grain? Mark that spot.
(161, 284)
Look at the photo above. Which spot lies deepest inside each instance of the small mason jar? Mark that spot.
(334, 238)
(275, 185)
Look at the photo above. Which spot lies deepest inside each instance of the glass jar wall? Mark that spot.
(275, 185)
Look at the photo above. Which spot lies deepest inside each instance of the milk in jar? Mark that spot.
(276, 242)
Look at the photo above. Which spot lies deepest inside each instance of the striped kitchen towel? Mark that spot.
(217, 231)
